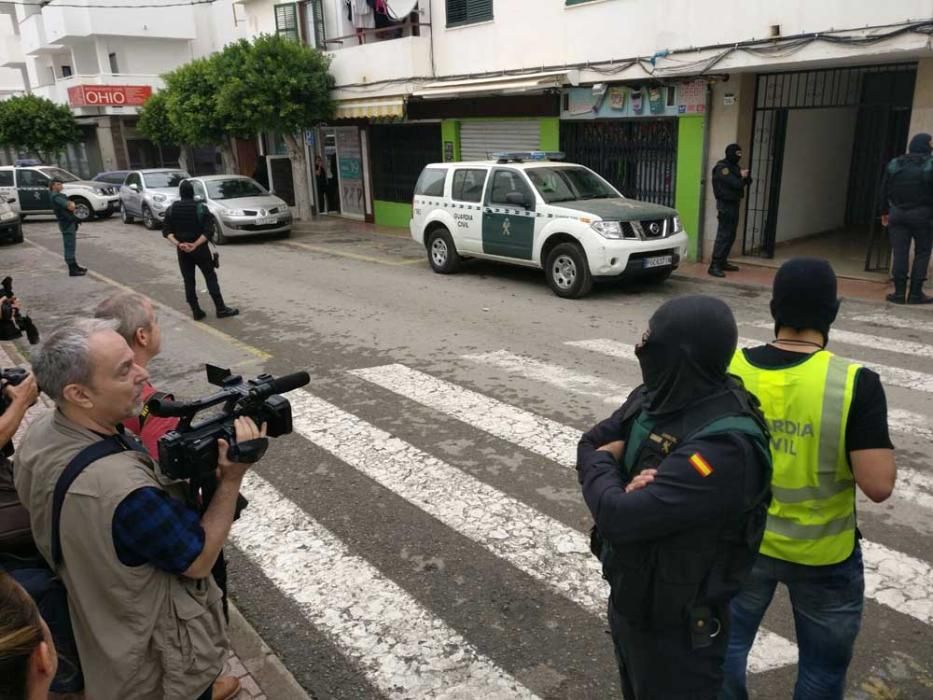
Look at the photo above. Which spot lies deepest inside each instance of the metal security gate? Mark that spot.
(638, 156)
(883, 96)
(479, 140)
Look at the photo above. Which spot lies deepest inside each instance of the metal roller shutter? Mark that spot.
(479, 140)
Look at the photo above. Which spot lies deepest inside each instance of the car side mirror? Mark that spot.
(516, 199)
(134, 187)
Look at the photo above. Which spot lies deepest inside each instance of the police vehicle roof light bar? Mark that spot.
(520, 156)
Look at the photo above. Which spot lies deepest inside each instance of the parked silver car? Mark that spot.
(146, 194)
(240, 206)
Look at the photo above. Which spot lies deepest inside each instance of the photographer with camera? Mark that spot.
(19, 392)
(13, 322)
(134, 555)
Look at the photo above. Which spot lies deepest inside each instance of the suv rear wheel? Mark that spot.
(442, 254)
(567, 272)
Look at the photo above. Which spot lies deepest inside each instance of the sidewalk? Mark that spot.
(262, 675)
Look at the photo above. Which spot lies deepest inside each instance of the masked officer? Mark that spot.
(677, 481)
(829, 433)
(68, 224)
(729, 182)
(907, 211)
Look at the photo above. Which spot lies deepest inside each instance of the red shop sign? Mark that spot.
(108, 95)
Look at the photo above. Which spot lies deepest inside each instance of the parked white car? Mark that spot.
(146, 194)
(240, 206)
(526, 209)
(30, 187)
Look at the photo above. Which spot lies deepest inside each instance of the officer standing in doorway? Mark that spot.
(68, 224)
(829, 434)
(677, 481)
(907, 211)
(729, 182)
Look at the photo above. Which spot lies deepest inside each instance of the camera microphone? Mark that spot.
(167, 408)
(282, 385)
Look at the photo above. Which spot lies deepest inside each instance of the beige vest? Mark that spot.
(141, 632)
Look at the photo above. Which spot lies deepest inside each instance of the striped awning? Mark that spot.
(378, 108)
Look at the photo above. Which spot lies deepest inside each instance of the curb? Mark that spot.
(265, 667)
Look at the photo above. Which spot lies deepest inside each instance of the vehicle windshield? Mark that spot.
(59, 174)
(168, 179)
(568, 184)
(234, 188)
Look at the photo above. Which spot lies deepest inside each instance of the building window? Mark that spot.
(468, 11)
(66, 71)
(114, 68)
(286, 21)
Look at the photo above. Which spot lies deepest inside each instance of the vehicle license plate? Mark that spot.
(659, 261)
(264, 220)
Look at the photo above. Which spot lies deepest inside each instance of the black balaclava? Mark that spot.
(186, 190)
(804, 296)
(685, 355)
(732, 153)
(920, 143)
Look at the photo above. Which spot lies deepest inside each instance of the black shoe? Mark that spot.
(919, 298)
(716, 272)
(198, 313)
(75, 270)
(895, 298)
(227, 312)
(729, 267)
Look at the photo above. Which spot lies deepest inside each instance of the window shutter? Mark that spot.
(286, 21)
(466, 11)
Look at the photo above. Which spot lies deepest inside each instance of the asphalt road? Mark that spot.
(422, 534)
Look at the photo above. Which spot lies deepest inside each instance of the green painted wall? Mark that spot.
(396, 214)
(550, 134)
(689, 189)
(450, 132)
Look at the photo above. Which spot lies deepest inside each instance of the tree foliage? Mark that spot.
(154, 122)
(37, 125)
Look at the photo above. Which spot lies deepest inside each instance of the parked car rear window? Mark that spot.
(467, 185)
(234, 188)
(431, 182)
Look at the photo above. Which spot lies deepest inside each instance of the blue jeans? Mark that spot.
(827, 602)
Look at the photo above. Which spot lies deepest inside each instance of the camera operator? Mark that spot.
(14, 520)
(133, 554)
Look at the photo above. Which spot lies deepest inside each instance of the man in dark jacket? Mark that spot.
(678, 483)
(907, 211)
(187, 226)
(729, 181)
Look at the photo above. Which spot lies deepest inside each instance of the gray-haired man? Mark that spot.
(135, 557)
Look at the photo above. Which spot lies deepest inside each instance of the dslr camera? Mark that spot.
(9, 377)
(13, 323)
(190, 451)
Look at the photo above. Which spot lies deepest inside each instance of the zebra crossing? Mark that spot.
(405, 649)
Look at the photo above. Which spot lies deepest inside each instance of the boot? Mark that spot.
(226, 311)
(197, 312)
(916, 295)
(716, 271)
(75, 270)
(729, 267)
(900, 291)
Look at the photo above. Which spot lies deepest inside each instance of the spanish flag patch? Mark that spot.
(701, 465)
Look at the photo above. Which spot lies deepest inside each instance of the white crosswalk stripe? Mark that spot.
(890, 321)
(558, 444)
(876, 342)
(400, 646)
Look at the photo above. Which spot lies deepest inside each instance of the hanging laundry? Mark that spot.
(363, 15)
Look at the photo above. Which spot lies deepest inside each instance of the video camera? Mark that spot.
(13, 323)
(190, 451)
(9, 377)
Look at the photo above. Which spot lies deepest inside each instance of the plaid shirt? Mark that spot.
(151, 527)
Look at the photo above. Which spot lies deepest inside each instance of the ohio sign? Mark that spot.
(108, 95)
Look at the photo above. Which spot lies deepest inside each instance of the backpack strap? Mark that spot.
(102, 448)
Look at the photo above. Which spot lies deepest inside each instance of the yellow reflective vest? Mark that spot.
(811, 519)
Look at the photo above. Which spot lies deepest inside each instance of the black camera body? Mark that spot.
(190, 451)
(9, 377)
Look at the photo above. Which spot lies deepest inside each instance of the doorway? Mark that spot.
(343, 159)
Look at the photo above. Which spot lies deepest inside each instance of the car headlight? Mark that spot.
(235, 212)
(99, 191)
(608, 229)
(678, 225)
(158, 198)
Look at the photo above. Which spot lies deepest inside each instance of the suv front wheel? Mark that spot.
(567, 271)
(83, 209)
(442, 254)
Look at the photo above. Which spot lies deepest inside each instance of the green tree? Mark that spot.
(277, 85)
(192, 109)
(155, 124)
(37, 125)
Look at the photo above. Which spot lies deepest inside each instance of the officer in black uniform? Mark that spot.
(729, 181)
(907, 211)
(678, 483)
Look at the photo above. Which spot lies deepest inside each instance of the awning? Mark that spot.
(500, 85)
(385, 107)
